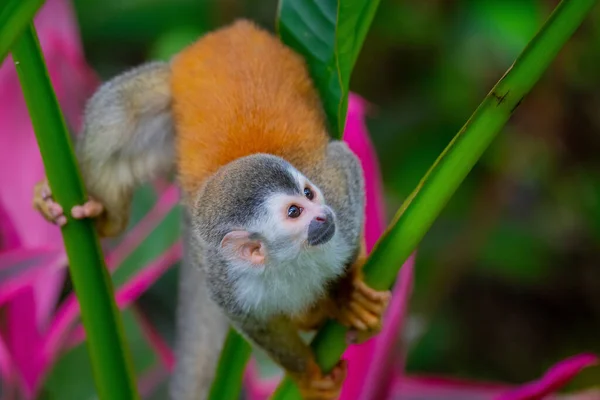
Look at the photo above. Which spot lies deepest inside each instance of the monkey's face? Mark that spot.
(302, 220)
(292, 220)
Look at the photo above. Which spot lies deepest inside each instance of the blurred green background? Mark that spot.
(508, 279)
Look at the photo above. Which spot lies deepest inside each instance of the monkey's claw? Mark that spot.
(324, 387)
(53, 212)
(364, 311)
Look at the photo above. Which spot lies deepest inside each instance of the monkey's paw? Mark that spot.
(317, 386)
(53, 212)
(363, 312)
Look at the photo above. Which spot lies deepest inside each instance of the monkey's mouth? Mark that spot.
(322, 236)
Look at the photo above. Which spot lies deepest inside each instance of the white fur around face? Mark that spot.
(295, 276)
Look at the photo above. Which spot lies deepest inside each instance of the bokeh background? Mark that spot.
(508, 278)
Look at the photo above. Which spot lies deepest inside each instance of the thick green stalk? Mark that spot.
(15, 16)
(111, 362)
(230, 370)
(419, 211)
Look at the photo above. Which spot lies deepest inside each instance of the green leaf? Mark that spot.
(111, 362)
(15, 16)
(230, 370)
(329, 34)
(159, 240)
(419, 211)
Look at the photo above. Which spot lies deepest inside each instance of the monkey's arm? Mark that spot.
(127, 138)
(279, 338)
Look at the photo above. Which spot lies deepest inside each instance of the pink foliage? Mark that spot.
(29, 310)
(370, 363)
(556, 377)
(32, 258)
(33, 335)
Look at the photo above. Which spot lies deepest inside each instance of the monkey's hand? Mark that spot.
(314, 385)
(362, 311)
(53, 212)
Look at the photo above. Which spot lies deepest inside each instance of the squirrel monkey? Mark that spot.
(273, 208)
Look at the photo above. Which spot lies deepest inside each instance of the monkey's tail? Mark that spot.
(201, 330)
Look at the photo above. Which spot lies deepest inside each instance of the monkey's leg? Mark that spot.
(279, 338)
(360, 307)
(53, 212)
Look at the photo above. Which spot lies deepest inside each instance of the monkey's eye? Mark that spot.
(308, 193)
(294, 211)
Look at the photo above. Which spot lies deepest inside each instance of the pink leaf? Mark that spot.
(356, 136)
(555, 378)
(257, 388)
(21, 268)
(6, 368)
(29, 310)
(160, 346)
(375, 361)
(125, 295)
(24, 340)
(436, 388)
(168, 199)
(151, 379)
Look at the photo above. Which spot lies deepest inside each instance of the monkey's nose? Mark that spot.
(321, 218)
(320, 230)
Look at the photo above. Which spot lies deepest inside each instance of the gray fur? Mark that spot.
(201, 327)
(127, 137)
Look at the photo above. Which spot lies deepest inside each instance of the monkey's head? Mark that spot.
(273, 240)
(261, 209)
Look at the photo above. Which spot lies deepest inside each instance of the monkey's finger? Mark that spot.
(375, 307)
(41, 193)
(90, 209)
(322, 395)
(51, 211)
(348, 318)
(371, 293)
(55, 209)
(93, 208)
(40, 206)
(326, 383)
(364, 315)
(329, 395)
(42, 190)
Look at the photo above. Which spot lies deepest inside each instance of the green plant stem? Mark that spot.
(419, 211)
(230, 370)
(111, 362)
(15, 16)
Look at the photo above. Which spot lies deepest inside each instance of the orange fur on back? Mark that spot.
(239, 91)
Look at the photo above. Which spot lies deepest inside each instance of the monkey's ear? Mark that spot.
(240, 246)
